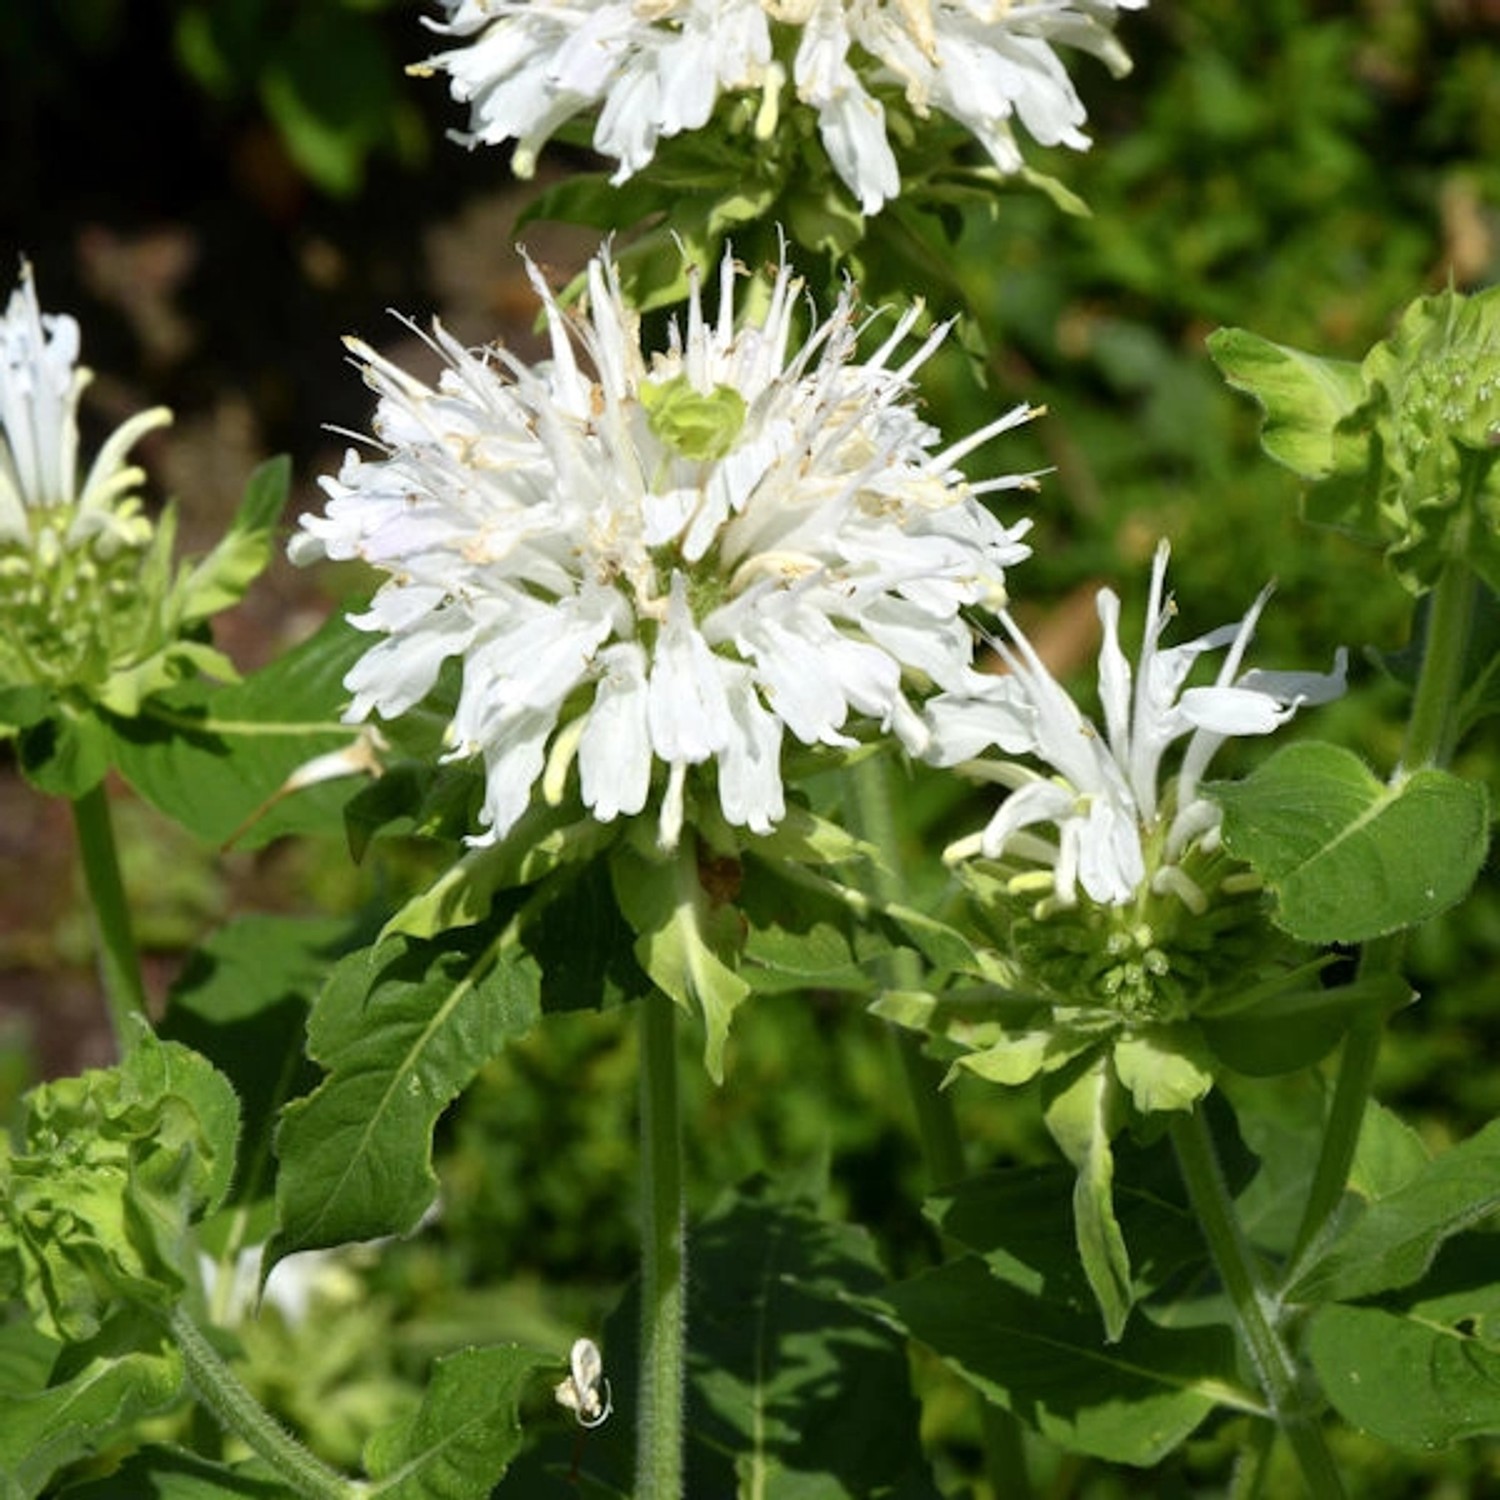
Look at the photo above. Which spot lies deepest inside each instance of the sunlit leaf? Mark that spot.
(1394, 1241)
(1347, 856)
(402, 1030)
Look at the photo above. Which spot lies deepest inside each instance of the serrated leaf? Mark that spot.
(1392, 1244)
(461, 1440)
(402, 1030)
(1131, 1402)
(1303, 396)
(213, 758)
(1348, 857)
(127, 1370)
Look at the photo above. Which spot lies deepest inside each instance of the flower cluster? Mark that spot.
(650, 565)
(656, 68)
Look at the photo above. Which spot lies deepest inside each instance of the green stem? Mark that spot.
(221, 1390)
(1431, 733)
(1255, 1312)
(873, 816)
(119, 964)
(658, 1471)
(1432, 728)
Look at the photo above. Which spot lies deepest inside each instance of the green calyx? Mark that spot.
(698, 425)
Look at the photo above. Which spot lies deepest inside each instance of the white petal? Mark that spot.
(614, 753)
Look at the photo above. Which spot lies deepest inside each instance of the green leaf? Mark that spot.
(100, 1387)
(1083, 1108)
(1297, 1028)
(1163, 1067)
(402, 1029)
(1304, 398)
(67, 753)
(1020, 1223)
(462, 1438)
(1131, 1402)
(795, 1389)
(688, 938)
(217, 760)
(1396, 1239)
(541, 842)
(1348, 857)
(242, 1002)
(243, 552)
(1424, 1371)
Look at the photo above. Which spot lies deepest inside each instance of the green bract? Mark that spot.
(113, 1167)
(1399, 449)
(697, 424)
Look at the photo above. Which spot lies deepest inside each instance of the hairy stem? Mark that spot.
(1255, 1312)
(221, 1390)
(119, 964)
(658, 1472)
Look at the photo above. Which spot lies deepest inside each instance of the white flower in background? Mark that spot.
(42, 502)
(650, 565)
(656, 68)
(1114, 823)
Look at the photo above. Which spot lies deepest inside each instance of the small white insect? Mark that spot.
(580, 1391)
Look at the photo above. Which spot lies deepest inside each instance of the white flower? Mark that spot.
(41, 499)
(656, 68)
(651, 566)
(1103, 798)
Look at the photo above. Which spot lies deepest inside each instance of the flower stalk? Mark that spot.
(1254, 1310)
(1431, 734)
(659, 1411)
(119, 963)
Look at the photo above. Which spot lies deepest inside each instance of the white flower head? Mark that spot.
(651, 566)
(40, 385)
(656, 68)
(1117, 828)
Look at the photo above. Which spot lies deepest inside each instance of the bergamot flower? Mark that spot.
(656, 68)
(650, 565)
(1119, 832)
(1113, 925)
(72, 545)
(92, 606)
